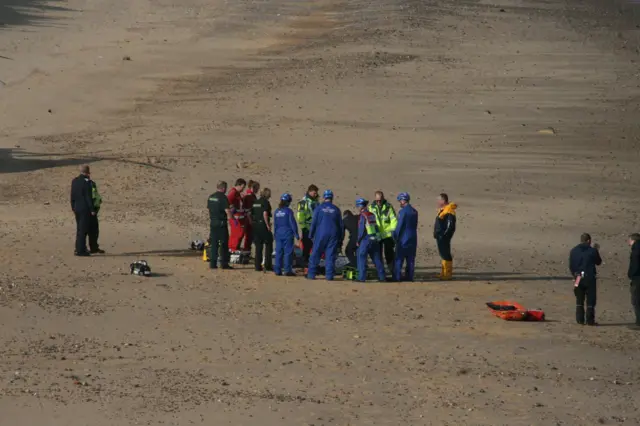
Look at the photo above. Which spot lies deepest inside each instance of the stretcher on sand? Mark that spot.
(512, 311)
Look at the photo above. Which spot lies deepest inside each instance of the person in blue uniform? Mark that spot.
(368, 242)
(285, 230)
(326, 231)
(406, 238)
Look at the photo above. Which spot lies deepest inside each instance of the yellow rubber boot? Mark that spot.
(442, 271)
(448, 270)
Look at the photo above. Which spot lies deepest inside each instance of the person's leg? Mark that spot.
(362, 261)
(83, 232)
(248, 236)
(268, 259)
(306, 246)
(224, 245)
(442, 272)
(288, 256)
(591, 292)
(389, 252)
(277, 266)
(319, 245)
(215, 239)
(350, 252)
(377, 261)
(399, 260)
(635, 299)
(259, 243)
(236, 235)
(411, 264)
(445, 245)
(330, 253)
(93, 234)
(579, 291)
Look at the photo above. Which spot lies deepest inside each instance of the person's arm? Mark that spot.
(72, 197)
(399, 225)
(361, 229)
(294, 225)
(450, 223)
(573, 263)
(87, 196)
(314, 223)
(265, 216)
(596, 257)
(634, 264)
(393, 218)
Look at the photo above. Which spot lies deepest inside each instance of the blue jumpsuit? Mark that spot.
(406, 237)
(326, 232)
(285, 230)
(368, 246)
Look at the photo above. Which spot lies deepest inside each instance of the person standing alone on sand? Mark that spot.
(634, 276)
(443, 231)
(583, 260)
(83, 208)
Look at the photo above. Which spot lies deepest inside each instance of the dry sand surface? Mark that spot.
(164, 97)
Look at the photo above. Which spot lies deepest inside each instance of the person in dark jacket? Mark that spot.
(583, 260)
(219, 216)
(83, 208)
(443, 231)
(351, 224)
(262, 234)
(634, 275)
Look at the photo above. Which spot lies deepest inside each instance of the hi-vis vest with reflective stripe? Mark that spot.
(304, 215)
(95, 195)
(386, 218)
(371, 226)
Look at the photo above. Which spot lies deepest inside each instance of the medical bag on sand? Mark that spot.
(512, 311)
(236, 257)
(140, 267)
(350, 273)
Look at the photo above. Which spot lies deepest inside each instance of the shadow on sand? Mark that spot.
(422, 274)
(19, 161)
(29, 12)
(160, 253)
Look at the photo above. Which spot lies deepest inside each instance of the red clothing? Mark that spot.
(238, 230)
(235, 201)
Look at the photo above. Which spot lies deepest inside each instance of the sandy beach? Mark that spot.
(524, 112)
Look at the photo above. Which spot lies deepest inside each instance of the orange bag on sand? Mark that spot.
(512, 311)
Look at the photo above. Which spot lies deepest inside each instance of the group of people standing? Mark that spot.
(239, 218)
(583, 262)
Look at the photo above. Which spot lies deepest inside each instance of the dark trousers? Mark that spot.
(444, 248)
(219, 236)
(94, 232)
(306, 245)
(635, 298)
(83, 220)
(263, 240)
(351, 251)
(388, 250)
(586, 290)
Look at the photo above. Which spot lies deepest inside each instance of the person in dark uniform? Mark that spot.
(351, 224)
(94, 226)
(583, 260)
(83, 208)
(634, 276)
(262, 234)
(219, 216)
(443, 230)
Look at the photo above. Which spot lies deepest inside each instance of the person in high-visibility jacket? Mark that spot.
(387, 222)
(94, 224)
(368, 242)
(326, 232)
(406, 238)
(304, 215)
(443, 231)
(285, 230)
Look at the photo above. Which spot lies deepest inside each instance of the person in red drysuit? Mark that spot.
(238, 224)
(248, 200)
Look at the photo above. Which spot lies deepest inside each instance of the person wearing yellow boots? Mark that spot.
(443, 231)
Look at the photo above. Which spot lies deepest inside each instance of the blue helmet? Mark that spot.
(286, 197)
(361, 202)
(328, 195)
(404, 196)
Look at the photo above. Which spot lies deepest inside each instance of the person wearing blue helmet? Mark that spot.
(369, 238)
(406, 237)
(326, 232)
(285, 230)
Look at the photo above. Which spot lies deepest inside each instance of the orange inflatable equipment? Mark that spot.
(512, 311)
